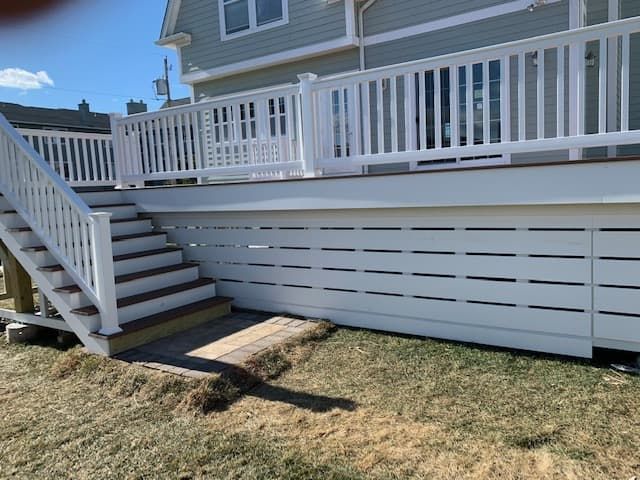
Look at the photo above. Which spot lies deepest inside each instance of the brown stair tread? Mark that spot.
(147, 296)
(145, 253)
(109, 205)
(131, 236)
(115, 220)
(134, 276)
(36, 248)
(127, 220)
(159, 318)
(118, 258)
(120, 238)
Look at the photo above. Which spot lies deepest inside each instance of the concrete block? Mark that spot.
(19, 333)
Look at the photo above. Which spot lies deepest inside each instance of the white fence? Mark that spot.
(540, 278)
(461, 109)
(82, 159)
(77, 237)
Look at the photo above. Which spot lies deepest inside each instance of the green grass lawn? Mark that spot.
(357, 404)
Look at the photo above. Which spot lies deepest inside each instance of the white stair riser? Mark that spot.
(149, 262)
(4, 205)
(158, 305)
(141, 285)
(129, 228)
(156, 282)
(59, 279)
(27, 239)
(117, 229)
(123, 267)
(133, 245)
(45, 258)
(102, 198)
(12, 220)
(127, 211)
(93, 324)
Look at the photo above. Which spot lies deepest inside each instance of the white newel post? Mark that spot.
(306, 126)
(103, 273)
(116, 142)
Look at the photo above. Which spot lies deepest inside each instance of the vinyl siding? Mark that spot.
(385, 15)
(281, 74)
(310, 22)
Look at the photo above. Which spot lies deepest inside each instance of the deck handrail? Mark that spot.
(469, 108)
(77, 237)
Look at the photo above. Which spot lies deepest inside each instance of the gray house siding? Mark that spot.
(385, 15)
(310, 22)
(344, 61)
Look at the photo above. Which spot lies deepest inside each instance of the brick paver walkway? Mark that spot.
(216, 345)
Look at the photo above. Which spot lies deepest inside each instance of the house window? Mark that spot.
(241, 17)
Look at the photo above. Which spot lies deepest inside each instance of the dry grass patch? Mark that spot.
(429, 409)
(356, 404)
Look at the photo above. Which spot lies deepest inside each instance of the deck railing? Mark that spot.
(564, 91)
(82, 159)
(254, 133)
(77, 237)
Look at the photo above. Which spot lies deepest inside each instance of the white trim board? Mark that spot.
(170, 18)
(270, 60)
(453, 21)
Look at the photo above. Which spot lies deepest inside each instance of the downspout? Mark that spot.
(361, 11)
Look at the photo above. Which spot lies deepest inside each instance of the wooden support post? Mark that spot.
(18, 282)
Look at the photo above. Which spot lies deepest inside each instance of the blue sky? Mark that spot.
(100, 50)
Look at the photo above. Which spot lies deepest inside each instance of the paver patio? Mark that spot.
(216, 345)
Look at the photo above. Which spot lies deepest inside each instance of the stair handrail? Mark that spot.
(79, 238)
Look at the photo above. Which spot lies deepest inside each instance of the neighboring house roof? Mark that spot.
(176, 102)
(59, 118)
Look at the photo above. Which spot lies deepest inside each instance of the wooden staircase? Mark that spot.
(157, 292)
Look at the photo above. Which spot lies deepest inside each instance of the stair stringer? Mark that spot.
(74, 321)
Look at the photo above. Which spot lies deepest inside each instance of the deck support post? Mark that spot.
(306, 131)
(18, 282)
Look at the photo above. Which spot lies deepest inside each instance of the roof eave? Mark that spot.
(176, 40)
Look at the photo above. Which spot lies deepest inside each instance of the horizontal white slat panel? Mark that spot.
(534, 329)
(565, 216)
(575, 270)
(616, 272)
(616, 244)
(617, 327)
(622, 300)
(462, 241)
(558, 296)
(619, 216)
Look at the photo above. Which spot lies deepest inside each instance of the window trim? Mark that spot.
(253, 22)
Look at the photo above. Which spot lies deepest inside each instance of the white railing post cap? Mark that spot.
(115, 115)
(100, 215)
(307, 76)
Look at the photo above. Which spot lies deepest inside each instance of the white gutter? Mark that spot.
(361, 11)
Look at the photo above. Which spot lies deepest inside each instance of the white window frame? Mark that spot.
(253, 21)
